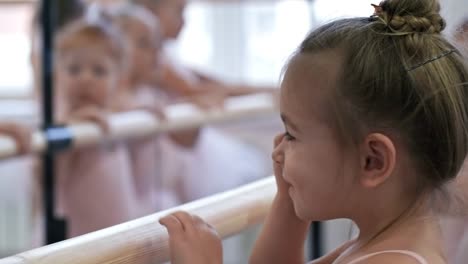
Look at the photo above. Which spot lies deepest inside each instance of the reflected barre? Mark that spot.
(137, 124)
(145, 241)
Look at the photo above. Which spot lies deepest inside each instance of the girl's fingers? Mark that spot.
(173, 225)
(186, 220)
(278, 140)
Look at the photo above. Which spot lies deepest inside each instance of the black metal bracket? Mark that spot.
(59, 138)
(316, 240)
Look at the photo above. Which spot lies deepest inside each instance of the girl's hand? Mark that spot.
(91, 114)
(186, 138)
(156, 111)
(192, 240)
(21, 135)
(208, 100)
(278, 163)
(123, 104)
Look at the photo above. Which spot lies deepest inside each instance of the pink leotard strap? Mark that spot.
(416, 256)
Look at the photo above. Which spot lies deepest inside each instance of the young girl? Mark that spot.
(375, 111)
(207, 152)
(148, 157)
(94, 183)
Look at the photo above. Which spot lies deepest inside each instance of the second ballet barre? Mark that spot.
(138, 124)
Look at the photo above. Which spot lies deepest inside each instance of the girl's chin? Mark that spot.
(302, 214)
(296, 207)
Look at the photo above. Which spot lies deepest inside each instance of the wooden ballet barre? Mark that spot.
(145, 241)
(137, 124)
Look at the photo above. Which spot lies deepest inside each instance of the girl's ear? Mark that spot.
(377, 160)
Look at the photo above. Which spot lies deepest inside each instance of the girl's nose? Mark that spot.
(278, 153)
(85, 77)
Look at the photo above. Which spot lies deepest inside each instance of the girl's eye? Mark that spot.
(74, 69)
(288, 136)
(99, 71)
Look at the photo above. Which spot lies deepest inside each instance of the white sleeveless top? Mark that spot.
(414, 255)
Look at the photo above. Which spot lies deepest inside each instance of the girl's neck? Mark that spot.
(387, 219)
(418, 232)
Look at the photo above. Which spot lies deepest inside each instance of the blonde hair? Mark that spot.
(401, 75)
(96, 34)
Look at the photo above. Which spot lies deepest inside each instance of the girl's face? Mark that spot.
(86, 76)
(171, 16)
(144, 46)
(316, 166)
